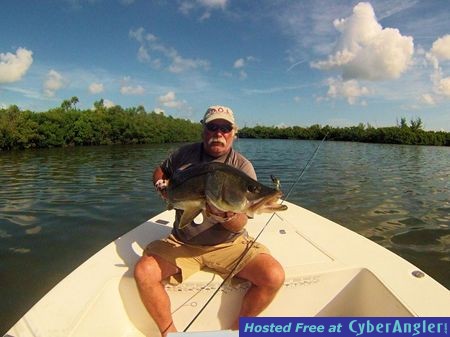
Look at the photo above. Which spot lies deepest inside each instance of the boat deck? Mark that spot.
(330, 271)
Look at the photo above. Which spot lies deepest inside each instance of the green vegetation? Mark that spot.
(69, 126)
(400, 134)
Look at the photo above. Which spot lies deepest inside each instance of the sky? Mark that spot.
(274, 63)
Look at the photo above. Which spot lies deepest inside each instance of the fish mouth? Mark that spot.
(268, 204)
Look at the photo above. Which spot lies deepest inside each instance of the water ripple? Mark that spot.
(59, 206)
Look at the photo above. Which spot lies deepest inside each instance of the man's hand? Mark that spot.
(234, 222)
(161, 187)
(218, 215)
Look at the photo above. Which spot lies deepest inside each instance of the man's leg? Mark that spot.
(149, 273)
(266, 276)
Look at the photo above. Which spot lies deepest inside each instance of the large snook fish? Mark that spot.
(222, 186)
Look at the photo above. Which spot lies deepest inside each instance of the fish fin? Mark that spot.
(188, 216)
(250, 213)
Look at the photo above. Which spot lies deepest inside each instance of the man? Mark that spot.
(220, 239)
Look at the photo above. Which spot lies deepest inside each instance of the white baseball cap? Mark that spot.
(218, 112)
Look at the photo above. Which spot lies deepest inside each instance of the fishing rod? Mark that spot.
(230, 274)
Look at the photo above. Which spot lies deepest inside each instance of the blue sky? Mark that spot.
(273, 62)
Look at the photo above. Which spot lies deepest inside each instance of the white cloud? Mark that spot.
(128, 89)
(143, 55)
(213, 3)
(367, 51)
(132, 90)
(96, 88)
(151, 46)
(428, 99)
(239, 63)
(242, 62)
(441, 48)
(29, 93)
(350, 90)
(440, 51)
(108, 104)
(54, 81)
(180, 64)
(169, 100)
(243, 75)
(298, 17)
(169, 97)
(14, 66)
(272, 90)
(140, 35)
(188, 6)
(205, 16)
(444, 86)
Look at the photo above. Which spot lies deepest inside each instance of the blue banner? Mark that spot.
(344, 326)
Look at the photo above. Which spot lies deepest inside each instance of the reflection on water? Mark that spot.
(59, 206)
(398, 196)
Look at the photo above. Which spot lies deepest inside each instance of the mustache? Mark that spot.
(217, 140)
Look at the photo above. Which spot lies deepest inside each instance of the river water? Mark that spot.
(59, 206)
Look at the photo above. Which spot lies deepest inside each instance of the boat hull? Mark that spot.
(330, 271)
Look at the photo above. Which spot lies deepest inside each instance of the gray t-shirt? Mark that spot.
(205, 233)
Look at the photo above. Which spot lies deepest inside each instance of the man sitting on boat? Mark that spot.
(217, 245)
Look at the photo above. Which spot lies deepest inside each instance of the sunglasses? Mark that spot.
(225, 128)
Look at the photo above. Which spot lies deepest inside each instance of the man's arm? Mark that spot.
(158, 174)
(236, 223)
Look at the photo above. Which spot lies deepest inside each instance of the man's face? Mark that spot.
(218, 136)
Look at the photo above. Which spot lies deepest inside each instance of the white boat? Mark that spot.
(330, 271)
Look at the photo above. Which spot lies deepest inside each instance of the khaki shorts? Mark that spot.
(190, 259)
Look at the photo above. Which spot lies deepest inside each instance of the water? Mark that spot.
(59, 206)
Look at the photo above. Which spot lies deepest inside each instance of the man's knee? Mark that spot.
(264, 270)
(147, 270)
(275, 277)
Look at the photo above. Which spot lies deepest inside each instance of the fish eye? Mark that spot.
(253, 188)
